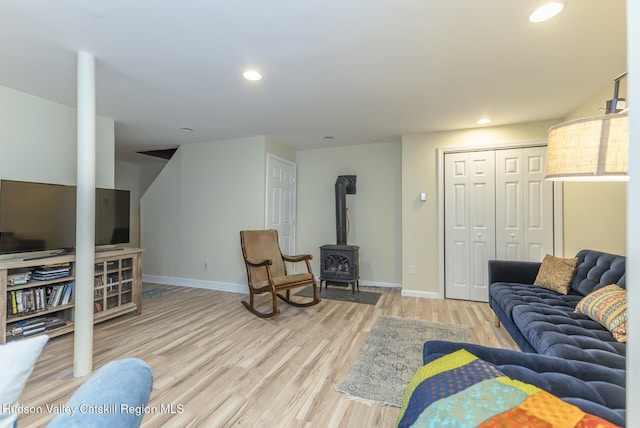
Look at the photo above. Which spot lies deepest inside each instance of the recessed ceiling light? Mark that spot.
(546, 11)
(186, 130)
(328, 137)
(252, 75)
(484, 121)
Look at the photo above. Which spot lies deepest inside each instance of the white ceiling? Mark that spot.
(359, 70)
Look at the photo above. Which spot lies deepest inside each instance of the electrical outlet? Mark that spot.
(412, 269)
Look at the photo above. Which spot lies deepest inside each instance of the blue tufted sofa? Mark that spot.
(544, 322)
(582, 363)
(595, 389)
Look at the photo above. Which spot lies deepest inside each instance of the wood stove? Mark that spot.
(339, 263)
(339, 266)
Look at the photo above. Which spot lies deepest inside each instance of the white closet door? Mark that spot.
(538, 213)
(524, 205)
(457, 227)
(509, 195)
(469, 223)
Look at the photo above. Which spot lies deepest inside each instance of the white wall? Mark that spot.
(148, 173)
(38, 141)
(279, 149)
(420, 245)
(193, 212)
(374, 211)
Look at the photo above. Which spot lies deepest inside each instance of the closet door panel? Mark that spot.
(457, 226)
(482, 214)
(509, 196)
(538, 201)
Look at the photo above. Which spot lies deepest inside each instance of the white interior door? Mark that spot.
(457, 229)
(524, 205)
(469, 223)
(281, 201)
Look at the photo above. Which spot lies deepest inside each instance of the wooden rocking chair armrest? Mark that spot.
(297, 258)
(259, 262)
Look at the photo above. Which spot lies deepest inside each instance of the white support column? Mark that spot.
(85, 216)
(633, 222)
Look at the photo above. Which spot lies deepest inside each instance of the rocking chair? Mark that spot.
(267, 272)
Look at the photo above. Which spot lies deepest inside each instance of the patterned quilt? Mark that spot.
(459, 390)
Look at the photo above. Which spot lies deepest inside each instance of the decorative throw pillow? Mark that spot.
(556, 273)
(460, 390)
(608, 306)
(17, 359)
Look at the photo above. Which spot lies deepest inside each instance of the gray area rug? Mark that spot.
(342, 294)
(150, 291)
(390, 356)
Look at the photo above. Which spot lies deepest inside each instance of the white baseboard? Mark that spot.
(365, 283)
(197, 283)
(421, 294)
(380, 284)
(241, 288)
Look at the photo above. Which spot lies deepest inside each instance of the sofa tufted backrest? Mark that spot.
(597, 269)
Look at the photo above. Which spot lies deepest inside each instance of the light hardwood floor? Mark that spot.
(226, 367)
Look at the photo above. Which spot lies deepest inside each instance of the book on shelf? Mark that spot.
(54, 267)
(18, 276)
(67, 293)
(51, 293)
(26, 327)
(33, 331)
(34, 326)
(49, 276)
(55, 323)
(11, 300)
(53, 271)
(57, 293)
(29, 300)
(20, 301)
(38, 298)
(25, 301)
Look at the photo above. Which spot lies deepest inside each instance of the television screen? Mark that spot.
(42, 217)
(36, 216)
(112, 216)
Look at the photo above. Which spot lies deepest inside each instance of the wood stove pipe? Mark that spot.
(345, 184)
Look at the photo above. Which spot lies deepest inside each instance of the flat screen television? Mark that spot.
(42, 217)
(112, 216)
